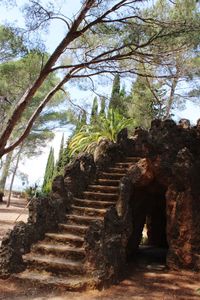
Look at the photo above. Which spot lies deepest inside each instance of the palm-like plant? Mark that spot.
(90, 135)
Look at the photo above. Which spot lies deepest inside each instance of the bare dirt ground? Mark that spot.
(147, 280)
(8, 215)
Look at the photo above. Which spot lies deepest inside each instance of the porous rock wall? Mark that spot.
(174, 153)
(170, 156)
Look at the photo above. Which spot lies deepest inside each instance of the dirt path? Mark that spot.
(8, 215)
(139, 285)
(147, 281)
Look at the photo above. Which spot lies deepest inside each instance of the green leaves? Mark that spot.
(105, 127)
(49, 173)
(11, 44)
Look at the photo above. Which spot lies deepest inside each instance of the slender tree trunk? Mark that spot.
(5, 170)
(171, 98)
(13, 175)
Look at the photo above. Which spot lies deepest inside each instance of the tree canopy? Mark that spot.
(92, 46)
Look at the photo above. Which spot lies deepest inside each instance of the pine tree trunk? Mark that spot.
(171, 98)
(13, 175)
(5, 170)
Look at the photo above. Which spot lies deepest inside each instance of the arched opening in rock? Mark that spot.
(148, 241)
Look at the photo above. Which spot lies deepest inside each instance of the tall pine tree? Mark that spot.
(142, 106)
(49, 173)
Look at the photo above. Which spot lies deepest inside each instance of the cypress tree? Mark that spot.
(66, 157)
(94, 111)
(118, 100)
(82, 120)
(60, 161)
(115, 95)
(103, 106)
(49, 172)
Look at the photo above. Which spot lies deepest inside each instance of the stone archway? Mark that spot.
(148, 206)
(170, 204)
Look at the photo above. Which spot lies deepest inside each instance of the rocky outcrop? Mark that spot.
(44, 215)
(95, 216)
(105, 245)
(174, 152)
(89, 246)
(79, 173)
(183, 208)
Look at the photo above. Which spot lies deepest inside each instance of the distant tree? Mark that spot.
(11, 44)
(49, 173)
(81, 121)
(145, 101)
(115, 95)
(14, 173)
(118, 96)
(5, 170)
(94, 111)
(102, 106)
(61, 159)
(178, 67)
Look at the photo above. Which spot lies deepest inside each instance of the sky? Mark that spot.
(35, 167)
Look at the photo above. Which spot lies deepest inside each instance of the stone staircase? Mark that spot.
(58, 260)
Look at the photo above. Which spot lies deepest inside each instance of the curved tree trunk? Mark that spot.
(25, 100)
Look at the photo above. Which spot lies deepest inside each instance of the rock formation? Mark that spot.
(151, 178)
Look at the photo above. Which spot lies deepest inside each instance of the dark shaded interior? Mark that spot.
(149, 213)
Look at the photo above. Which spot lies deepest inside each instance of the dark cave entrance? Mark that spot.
(148, 241)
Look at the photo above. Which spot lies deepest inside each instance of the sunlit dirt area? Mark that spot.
(139, 284)
(17, 211)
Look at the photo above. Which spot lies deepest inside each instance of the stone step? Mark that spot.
(59, 250)
(124, 165)
(88, 211)
(108, 182)
(54, 264)
(111, 175)
(81, 220)
(34, 278)
(65, 238)
(118, 170)
(103, 188)
(133, 159)
(101, 196)
(58, 260)
(76, 229)
(93, 203)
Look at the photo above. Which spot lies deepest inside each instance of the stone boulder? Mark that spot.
(79, 173)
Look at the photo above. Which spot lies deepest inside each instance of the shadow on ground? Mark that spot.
(139, 284)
